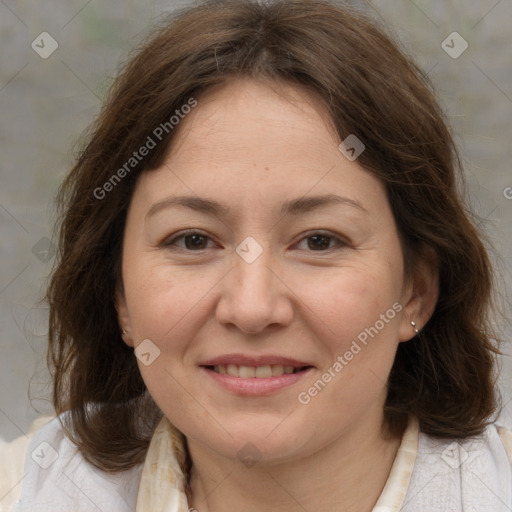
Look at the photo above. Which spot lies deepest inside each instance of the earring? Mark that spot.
(414, 327)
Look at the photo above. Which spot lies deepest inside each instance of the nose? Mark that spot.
(254, 296)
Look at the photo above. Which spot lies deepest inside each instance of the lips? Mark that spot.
(254, 361)
(254, 372)
(259, 367)
(256, 375)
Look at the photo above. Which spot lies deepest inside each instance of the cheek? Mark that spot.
(167, 308)
(164, 300)
(347, 304)
(357, 319)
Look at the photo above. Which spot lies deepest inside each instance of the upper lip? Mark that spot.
(263, 360)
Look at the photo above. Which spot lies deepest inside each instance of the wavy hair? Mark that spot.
(445, 376)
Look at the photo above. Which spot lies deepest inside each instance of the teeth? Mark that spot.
(232, 370)
(246, 372)
(277, 370)
(262, 372)
(251, 372)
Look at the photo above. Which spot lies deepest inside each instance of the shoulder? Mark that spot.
(12, 464)
(55, 477)
(12, 457)
(506, 438)
(467, 474)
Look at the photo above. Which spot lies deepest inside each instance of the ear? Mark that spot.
(421, 295)
(123, 317)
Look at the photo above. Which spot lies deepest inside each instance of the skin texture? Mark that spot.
(252, 146)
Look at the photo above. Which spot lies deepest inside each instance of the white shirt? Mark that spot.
(428, 475)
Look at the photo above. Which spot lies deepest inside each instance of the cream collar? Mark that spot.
(162, 485)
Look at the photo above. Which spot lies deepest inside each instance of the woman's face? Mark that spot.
(259, 249)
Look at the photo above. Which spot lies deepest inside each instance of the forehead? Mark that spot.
(250, 119)
(249, 141)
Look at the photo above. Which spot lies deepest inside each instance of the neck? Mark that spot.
(347, 475)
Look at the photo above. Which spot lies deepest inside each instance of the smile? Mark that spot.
(254, 372)
(253, 379)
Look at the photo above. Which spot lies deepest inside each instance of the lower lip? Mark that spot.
(254, 386)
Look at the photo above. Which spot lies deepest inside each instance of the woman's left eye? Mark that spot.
(319, 242)
(195, 241)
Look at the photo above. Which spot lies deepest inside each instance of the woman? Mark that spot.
(208, 352)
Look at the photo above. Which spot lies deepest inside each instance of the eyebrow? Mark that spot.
(214, 208)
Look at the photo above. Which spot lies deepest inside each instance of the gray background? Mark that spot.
(46, 103)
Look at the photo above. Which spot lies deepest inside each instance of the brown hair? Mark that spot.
(445, 376)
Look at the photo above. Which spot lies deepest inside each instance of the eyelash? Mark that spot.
(168, 243)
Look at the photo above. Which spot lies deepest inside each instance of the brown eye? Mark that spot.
(321, 242)
(193, 241)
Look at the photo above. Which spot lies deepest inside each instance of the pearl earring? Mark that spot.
(414, 327)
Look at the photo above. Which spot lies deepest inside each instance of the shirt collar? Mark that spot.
(162, 485)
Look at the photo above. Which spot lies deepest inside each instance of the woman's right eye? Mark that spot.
(194, 241)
